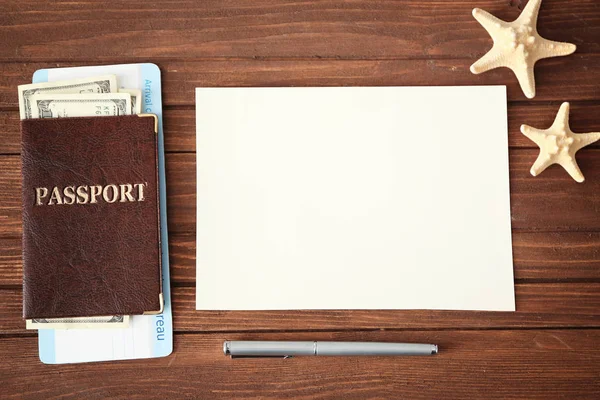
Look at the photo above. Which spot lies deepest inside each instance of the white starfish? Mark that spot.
(558, 144)
(517, 45)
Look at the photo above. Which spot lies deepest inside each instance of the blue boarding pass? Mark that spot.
(147, 336)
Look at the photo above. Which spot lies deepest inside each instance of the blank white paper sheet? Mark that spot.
(353, 198)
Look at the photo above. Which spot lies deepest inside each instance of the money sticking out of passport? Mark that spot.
(111, 90)
(109, 321)
(94, 96)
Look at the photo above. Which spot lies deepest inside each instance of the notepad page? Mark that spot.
(353, 198)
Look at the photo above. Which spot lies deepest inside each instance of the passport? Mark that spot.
(91, 220)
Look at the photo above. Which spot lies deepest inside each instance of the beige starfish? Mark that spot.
(517, 45)
(558, 144)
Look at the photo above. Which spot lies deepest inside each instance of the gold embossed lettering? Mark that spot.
(126, 192)
(115, 193)
(69, 193)
(95, 191)
(82, 195)
(40, 193)
(93, 194)
(55, 197)
(140, 188)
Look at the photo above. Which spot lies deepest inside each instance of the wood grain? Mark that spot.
(547, 349)
(557, 255)
(538, 306)
(547, 256)
(134, 31)
(533, 364)
(10, 132)
(180, 125)
(558, 79)
(550, 256)
(549, 202)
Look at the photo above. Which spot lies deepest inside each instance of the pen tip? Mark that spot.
(434, 349)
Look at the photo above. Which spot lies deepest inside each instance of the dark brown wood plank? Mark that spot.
(11, 312)
(328, 43)
(140, 31)
(536, 255)
(535, 364)
(10, 189)
(556, 255)
(548, 256)
(555, 201)
(538, 306)
(549, 202)
(10, 132)
(180, 125)
(559, 79)
(11, 262)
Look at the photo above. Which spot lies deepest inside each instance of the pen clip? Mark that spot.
(284, 357)
(227, 352)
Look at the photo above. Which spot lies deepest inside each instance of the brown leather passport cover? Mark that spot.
(91, 241)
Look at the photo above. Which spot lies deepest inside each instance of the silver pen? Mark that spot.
(290, 349)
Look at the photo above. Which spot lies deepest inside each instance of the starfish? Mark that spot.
(517, 45)
(558, 144)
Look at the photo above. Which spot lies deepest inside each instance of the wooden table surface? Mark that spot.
(547, 349)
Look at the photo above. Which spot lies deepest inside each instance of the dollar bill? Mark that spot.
(98, 84)
(52, 105)
(136, 99)
(112, 321)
